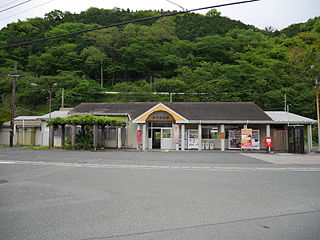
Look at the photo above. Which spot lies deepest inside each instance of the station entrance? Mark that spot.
(160, 130)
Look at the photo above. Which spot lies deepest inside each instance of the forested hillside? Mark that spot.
(207, 57)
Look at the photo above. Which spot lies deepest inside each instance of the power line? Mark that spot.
(27, 10)
(123, 23)
(9, 3)
(17, 5)
(176, 5)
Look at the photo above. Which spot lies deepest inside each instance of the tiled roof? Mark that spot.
(190, 110)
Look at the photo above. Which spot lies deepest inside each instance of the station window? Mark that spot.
(210, 133)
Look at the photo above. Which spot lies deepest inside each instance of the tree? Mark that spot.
(95, 58)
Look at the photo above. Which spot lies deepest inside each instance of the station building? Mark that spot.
(201, 125)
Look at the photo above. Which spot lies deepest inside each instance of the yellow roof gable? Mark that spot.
(160, 107)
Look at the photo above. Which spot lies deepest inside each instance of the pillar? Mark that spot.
(51, 136)
(144, 136)
(309, 134)
(222, 137)
(268, 133)
(73, 135)
(177, 144)
(103, 137)
(119, 137)
(95, 136)
(63, 134)
(182, 137)
(199, 137)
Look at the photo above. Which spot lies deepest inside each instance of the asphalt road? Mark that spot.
(85, 195)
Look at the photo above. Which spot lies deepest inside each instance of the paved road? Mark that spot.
(88, 196)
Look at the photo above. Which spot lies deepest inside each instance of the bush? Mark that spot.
(84, 142)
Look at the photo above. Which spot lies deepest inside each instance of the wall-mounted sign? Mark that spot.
(160, 116)
(176, 134)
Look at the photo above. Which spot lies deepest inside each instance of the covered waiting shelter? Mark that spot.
(81, 120)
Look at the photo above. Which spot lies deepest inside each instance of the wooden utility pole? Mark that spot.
(318, 109)
(13, 102)
(62, 97)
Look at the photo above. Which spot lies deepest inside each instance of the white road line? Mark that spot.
(164, 167)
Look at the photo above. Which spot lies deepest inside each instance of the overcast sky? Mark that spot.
(275, 13)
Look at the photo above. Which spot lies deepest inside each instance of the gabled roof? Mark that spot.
(160, 107)
(287, 117)
(133, 109)
(232, 111)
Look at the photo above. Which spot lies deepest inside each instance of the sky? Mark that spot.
(277, 14)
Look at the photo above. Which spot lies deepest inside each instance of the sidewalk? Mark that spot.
(286, 158)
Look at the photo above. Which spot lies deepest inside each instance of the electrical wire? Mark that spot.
(30, 110)
(9, 3)
(17, 5)
(27, 10)
(176, 5)
(123, 23)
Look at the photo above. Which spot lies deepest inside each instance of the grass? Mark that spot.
(39, 148)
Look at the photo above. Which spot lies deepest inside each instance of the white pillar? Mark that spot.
(222, 137)
(119, 137)
(268, 133)
(309, 134)
(144, 136)
(199, 137)
(182, 137)
(245, 126)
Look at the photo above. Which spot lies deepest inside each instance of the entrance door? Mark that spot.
(296, 141)
(156, 139)
(166, 138)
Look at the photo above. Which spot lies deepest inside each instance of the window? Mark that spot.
(210, 133)
(166, 133)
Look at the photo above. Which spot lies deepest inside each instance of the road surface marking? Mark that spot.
(164, 167)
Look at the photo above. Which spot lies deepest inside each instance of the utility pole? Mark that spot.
(318, 109)
(285, 102)
(62, 97)
(13, 102)
(316, 86)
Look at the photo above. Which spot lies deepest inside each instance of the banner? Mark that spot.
(246, 138)
(139, 139)
(176, 134)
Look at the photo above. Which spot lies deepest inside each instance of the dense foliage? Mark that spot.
(206, 57)
(86, 119)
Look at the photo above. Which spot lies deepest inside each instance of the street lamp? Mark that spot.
(50, 91)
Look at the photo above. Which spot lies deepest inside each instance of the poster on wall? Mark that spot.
(176, 136)
(246, 138)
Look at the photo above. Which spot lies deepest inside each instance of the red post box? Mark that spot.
(267, 141)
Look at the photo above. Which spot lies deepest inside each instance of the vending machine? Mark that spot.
(193, 139)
